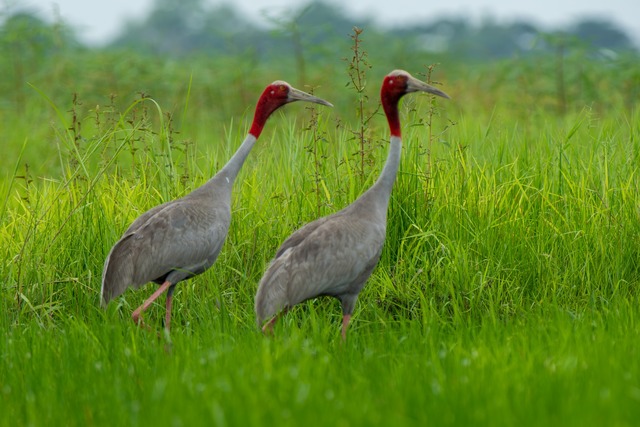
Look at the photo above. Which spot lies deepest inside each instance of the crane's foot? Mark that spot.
(267, 329)
(137, 319)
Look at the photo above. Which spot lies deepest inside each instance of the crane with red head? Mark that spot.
(182, 238)
(335, 255)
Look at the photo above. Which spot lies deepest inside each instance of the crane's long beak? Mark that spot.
(415, 85)
(298, 95)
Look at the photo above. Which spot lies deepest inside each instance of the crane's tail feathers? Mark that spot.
(104, 297)
(271, 297)
(118, 271)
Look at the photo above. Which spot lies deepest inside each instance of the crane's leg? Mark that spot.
(145, 305)
(167, 319)
(345, 324)
(348, 302)
(267, 329)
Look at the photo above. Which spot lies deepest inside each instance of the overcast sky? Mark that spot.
(98, 21)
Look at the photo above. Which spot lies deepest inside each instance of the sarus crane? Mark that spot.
(182, 238)
(335, 255)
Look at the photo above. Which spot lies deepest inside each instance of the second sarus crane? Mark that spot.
(335, 255)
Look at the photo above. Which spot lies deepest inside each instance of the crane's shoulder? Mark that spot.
(339, 234)
(181, 217)
(300, 235)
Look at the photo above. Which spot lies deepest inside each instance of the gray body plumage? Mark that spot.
(332, 256)
(175, 240)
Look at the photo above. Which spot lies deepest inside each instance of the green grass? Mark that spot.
(543, 367)
(506, 293)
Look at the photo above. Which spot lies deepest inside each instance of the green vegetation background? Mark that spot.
(507, 289)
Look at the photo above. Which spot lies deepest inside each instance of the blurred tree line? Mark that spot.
(180, 28)
(591, 61)
(190, 44)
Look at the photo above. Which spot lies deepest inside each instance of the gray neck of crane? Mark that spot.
(384, 184)
(233, 166)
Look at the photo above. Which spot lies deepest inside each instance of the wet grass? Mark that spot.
(506, 293)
